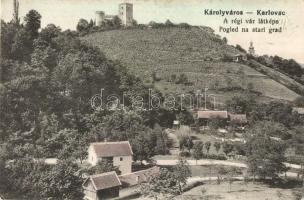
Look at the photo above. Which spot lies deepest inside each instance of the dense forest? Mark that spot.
(48, 77)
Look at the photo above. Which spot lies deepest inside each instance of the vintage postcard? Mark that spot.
(152, 99)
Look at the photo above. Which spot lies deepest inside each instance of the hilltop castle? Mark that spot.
(125, 14)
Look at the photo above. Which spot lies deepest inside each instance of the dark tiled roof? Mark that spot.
(208, 114)
(111, 149)
(105, 180)
(139, 176)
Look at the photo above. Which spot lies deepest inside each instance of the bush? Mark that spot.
(294, 160)
(184, 25)
(185, 154)
(215, 157)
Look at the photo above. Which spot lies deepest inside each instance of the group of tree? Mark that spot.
(48, 78)
(288, 66)
(265, 156)
(31, 179)
(84, 27)
(168, 24)
(169, 182)
(180, 79)
(276, 111)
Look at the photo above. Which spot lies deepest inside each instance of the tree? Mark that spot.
(4, 179)
(227, 148)
(238, 47)
(162, 140)
(299, 101)
(207, 146)
(185, 118)
(221, 173)
(241, 104)
(185, 141)
(134, 23)
(104, 166)
(181, 172)
(142, 147)
(265, 156)
(182, 79)
(198, 150)
(217, 146)
(216, 123)
(116, 22)
(163, 185)
(225, 40)
(32, 23)
(63, 181)
(22, 45)
(75, 147)
(279, 112)
(49, 32)
(168, 23)
(8, 32)
(250, 87)
(91, 23)
(83, 25)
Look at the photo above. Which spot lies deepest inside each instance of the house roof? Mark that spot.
(104, 180)
(240, 118)
(208, 114)
(138, 176)
(299, 110)
(112, 149)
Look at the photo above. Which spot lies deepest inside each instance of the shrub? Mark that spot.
(185, 154)
(215, 157)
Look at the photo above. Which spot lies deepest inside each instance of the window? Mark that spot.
(121, 158)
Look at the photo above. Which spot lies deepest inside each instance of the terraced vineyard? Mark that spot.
(195, 52)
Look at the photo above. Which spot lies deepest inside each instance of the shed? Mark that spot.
(101, 186)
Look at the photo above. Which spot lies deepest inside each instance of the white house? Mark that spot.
(119, 153)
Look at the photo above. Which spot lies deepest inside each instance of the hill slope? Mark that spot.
(195, 52)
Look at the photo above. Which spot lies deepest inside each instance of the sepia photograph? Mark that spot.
(152, 100)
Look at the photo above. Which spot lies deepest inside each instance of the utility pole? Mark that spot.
(206, 98)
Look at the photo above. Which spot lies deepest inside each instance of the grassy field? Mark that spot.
(237, 191)
(174, 51)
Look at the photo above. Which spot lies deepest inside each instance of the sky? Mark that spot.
(288, 44)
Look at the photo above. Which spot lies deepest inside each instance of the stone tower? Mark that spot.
(251, 49)
(99, 18)
(125, 14)
(16, 12)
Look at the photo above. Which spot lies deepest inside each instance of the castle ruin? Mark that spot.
(125, 14)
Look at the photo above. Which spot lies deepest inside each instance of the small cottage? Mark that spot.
(205, 116)
(239, 58)
(101, 186)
